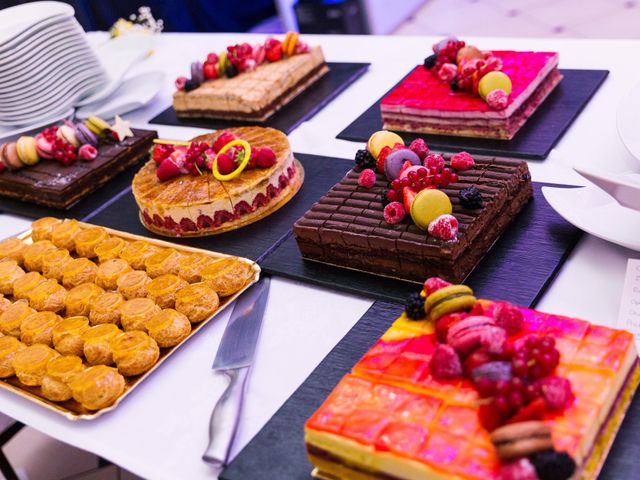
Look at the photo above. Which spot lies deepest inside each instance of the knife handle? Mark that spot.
(225, 416)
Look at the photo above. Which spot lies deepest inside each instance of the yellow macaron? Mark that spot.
(428, 205)
(97, 125)
(493, 81)
(381, 139)
(27, 151)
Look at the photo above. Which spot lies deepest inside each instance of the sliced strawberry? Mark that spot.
(533, 411)
(408, 195)
(405, 166)
(443, 324)
(382, 156)
(490, 417)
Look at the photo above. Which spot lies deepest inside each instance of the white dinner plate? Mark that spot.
(594, 211)
(45, 117)
(23, 21)
(628, 121)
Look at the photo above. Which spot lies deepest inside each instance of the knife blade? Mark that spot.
(233, 360)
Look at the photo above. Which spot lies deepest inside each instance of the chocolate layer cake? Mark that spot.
(346, 227)
(51, 184)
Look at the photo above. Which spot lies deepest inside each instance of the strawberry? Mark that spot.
(274, 53)
(533, 411)
(408, 195)
(226, 164)
(382, 156)
(167, 170)
(222, 140)
(253, 161)
(405, 166)
(490, 417)
(210, 70)
(266, 157)
(160, 152)
(443, 324)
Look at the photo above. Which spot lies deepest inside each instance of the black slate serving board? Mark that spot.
(253, 241)
(518, 267)
(299, 110)
(278, 450)
(534, 140)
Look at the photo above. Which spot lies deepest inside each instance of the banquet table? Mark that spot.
(161, 430)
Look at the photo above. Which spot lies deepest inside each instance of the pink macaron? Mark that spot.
(44, 147)
(467, 334)
(10, 156)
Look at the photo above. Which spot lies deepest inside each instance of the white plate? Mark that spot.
(134, 92)
(10, 134)
(117, 56)
(594, 211)
(24, 20)
(46, 117)
(628, 121)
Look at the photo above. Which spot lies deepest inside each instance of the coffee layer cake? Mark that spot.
(347, 228)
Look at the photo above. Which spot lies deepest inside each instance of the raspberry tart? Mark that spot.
(477, 389)
(462, 91)
(249, 82)
(217, 182)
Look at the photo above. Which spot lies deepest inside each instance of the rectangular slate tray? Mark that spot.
(534, 140)
(299, 110)
(278, 450)
(518, 268)
(253, 241)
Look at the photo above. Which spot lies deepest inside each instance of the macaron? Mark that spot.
(85, 136)
(454, 298)
(68, 134)
(197, 74)
(396, 159)
(289, 43)
(381, 139)
(468, 334)
(428, 205)
(493, 81)
(44, 147)
(97, 125)
(521, 439)
(27, 150)
(9, 154)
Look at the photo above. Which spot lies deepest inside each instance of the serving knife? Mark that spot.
(233, 361)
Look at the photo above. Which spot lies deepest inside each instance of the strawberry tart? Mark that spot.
(477, 389)
(216, 182)
(249, 82)
(462, 91)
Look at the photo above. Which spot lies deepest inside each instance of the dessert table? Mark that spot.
(161, 430)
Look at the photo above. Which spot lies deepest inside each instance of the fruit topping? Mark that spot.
(226, 164)
(167, 170)
(420, 148)
(210, 70)
(180, 82)
(408, 196)
(87, 152)
(536, 358)
(161, 151)
(434, 284)
(444, 227)
(462, 161)
(222, 140)
(445, 363)
(508, 317)
(556, 392)
(447, 72)
(266, 158)
(430, 61)
(367, 178)
(394, 213)
(430, 204)
(443, 324)
(471, 197)
(382, 157)
(521, 469)
(434, 162)
(414, 307)
(552, 465)
(497, 99)
(364, 159)
(533, 411)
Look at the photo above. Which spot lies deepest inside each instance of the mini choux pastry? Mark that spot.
(48, 295)
(38, 328)
(4, 304)
(59, 372)
(109, 271)
(12, 248)
(168, 328)
(78, 299)
(67, 335)
(134, 313)
(9, 346)
(10, 271)
(190, 266)
(134, 352)
(33, 254)
(13, 316)
(162, 262)
(133, 284)
(64, 234)
(97, 387)
(197, 301)
(25, 283)
(137, 252)
(163, 289)
(55, 263)
(105, 308)
(110, 248)
(227, 276)
(88, 239)
(96, 348)
(42, 228)
(30, 363)
(78, 271)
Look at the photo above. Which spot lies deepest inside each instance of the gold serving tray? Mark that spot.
(71, 409)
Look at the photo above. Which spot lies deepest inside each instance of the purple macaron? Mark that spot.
(85, 136)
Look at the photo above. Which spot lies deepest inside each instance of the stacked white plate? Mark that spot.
(46, 62)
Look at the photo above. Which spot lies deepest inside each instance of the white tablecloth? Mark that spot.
(160, 431)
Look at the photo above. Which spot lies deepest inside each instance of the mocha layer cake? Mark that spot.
(429, 100)
(348, 227)
(428, 401)
(200, 203)
(249, 82)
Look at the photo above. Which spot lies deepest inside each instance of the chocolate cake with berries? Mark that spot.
(249, 82)
(477, 389)
(406, 213)
(463, 91)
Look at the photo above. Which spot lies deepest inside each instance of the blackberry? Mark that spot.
(552, 465)
(415, 307)
(190, 85)
(454, 85)
(471, 197)
(231, 71)
(365, 160)
(430, 61)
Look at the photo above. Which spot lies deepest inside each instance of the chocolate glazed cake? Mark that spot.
(51, 184)
(346, 227)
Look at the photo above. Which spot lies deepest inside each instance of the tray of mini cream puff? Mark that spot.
(87, 313)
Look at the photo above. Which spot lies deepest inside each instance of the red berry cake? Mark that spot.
(476, 389)
(462, 91)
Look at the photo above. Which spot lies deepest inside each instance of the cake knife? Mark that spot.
(233, 360)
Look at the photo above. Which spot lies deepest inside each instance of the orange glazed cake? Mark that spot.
(249, 82)
(476, 389)
(216, 182)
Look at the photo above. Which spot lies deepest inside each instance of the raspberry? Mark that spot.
(213, 58)
(394, 213)
(266, 158)
(494, 339)
(497, 99)
(180, 82)
(160, 152)
(434, 161)
(420, 148)
(364, 159)
(367, 178)
(447, 72)
(444, 323)
(222, 140)
(273, 49)
(434, 284)
(521, 469)
(226, 164)
(445, 227)
(167, 170)
(301, 47)
(445, 363)
(508, 317)
(552, 465)
(462, 161)
(414, 307)
(471, 197)
(556, 392)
